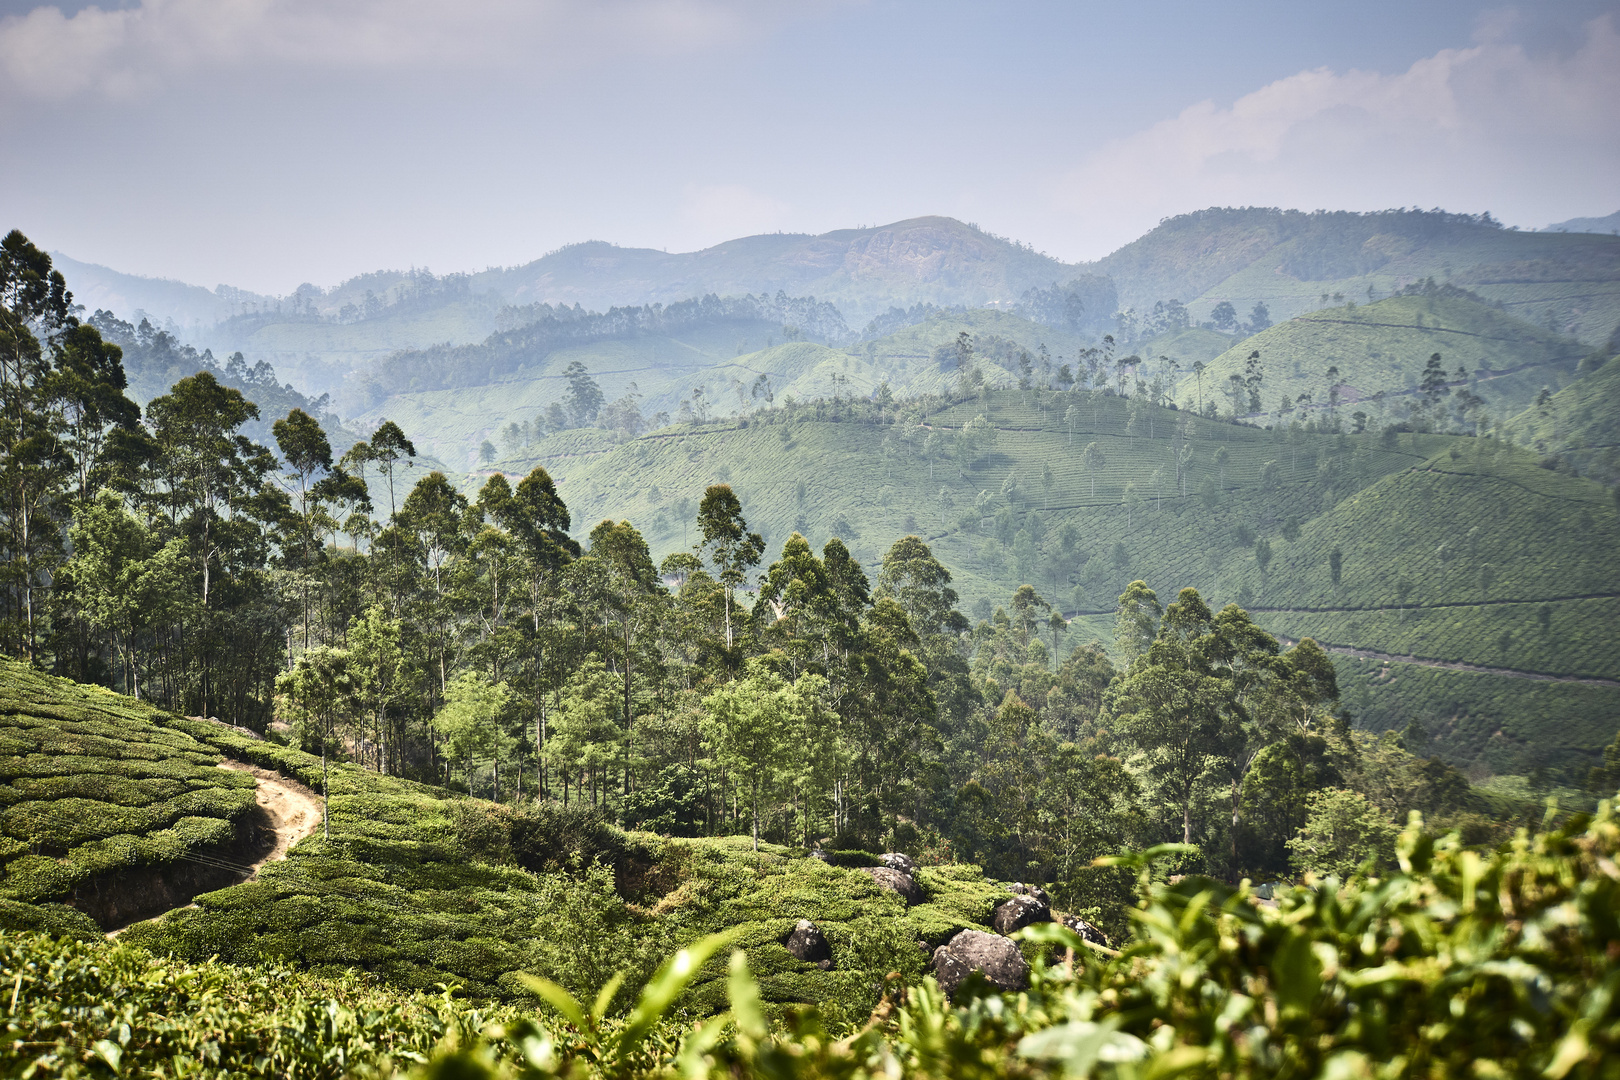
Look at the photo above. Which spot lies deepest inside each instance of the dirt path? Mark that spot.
(293, 812)
(293, 809)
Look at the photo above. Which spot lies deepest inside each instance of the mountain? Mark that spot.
(1383, 348)
(934, 260)
(1609, 224)
(1295, 262)
(192, 309)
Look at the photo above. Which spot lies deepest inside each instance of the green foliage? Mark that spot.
(92, 784)
(1452, 963)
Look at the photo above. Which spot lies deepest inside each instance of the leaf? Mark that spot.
(745, 999)
(604, 996)
(662, 989)
(556, 997)
(110, 1052)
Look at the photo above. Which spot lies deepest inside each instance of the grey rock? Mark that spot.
(1020, 889)
(821, 856)
(807, 942)
(1086, 930)
(974, 950)
(895, 881)
(896, 861)
(1019, 912)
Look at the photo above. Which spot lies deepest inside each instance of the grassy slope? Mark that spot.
(409, 887)
(92, 783)
(663, 368)
(1384, 346)
(1546, 535)
(1585, 413)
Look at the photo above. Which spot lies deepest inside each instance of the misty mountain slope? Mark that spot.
(1288, 259)
(928, 259)
(830, 469)
(1583, 417)
(191, 308)
(719, 355)
(1607, 224)
(1384, 346)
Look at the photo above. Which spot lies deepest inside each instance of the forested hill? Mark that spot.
(1295, 262)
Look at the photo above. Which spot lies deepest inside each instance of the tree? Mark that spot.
(377, 666)
(1092, 458)
(1335, 566)
(731, 548)
(389, 446)
(120, 579)
(317, 693)
(748, 722)
(471, 724)
(1259, 318)
(1224, 317)
(1343, 832)
(584, 395)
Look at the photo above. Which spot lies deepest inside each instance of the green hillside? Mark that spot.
(1547, 538)
(1583, 417)
(416, 886)
(108, 808)
(1289, 260)
(1383, 347)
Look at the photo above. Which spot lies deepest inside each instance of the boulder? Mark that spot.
(896, 882)
(1019, 912)
(896, 861)
(807, 942)
(974, 950)
(820, 855)
(1086, 930)
(1018, 888)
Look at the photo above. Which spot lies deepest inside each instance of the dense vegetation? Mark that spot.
(1451, 964)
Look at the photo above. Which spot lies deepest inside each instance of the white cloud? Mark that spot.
(717, 212)
(1489, 127)
(45, 54)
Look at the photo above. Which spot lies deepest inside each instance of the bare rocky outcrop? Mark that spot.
(895, 882)
(995, 957)
(808, 943)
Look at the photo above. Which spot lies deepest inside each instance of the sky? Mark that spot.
(265, 143)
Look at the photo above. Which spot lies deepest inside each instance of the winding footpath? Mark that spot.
(293, 812)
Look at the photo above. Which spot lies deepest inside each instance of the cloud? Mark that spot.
(716, 212)
(1491, 127)
(118, 53)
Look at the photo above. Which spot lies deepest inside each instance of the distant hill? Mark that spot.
(1609, 224)
(191, 308)
(864, 271)
(1295, 262)
(1382, 348)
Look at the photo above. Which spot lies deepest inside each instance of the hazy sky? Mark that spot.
(268, 142)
